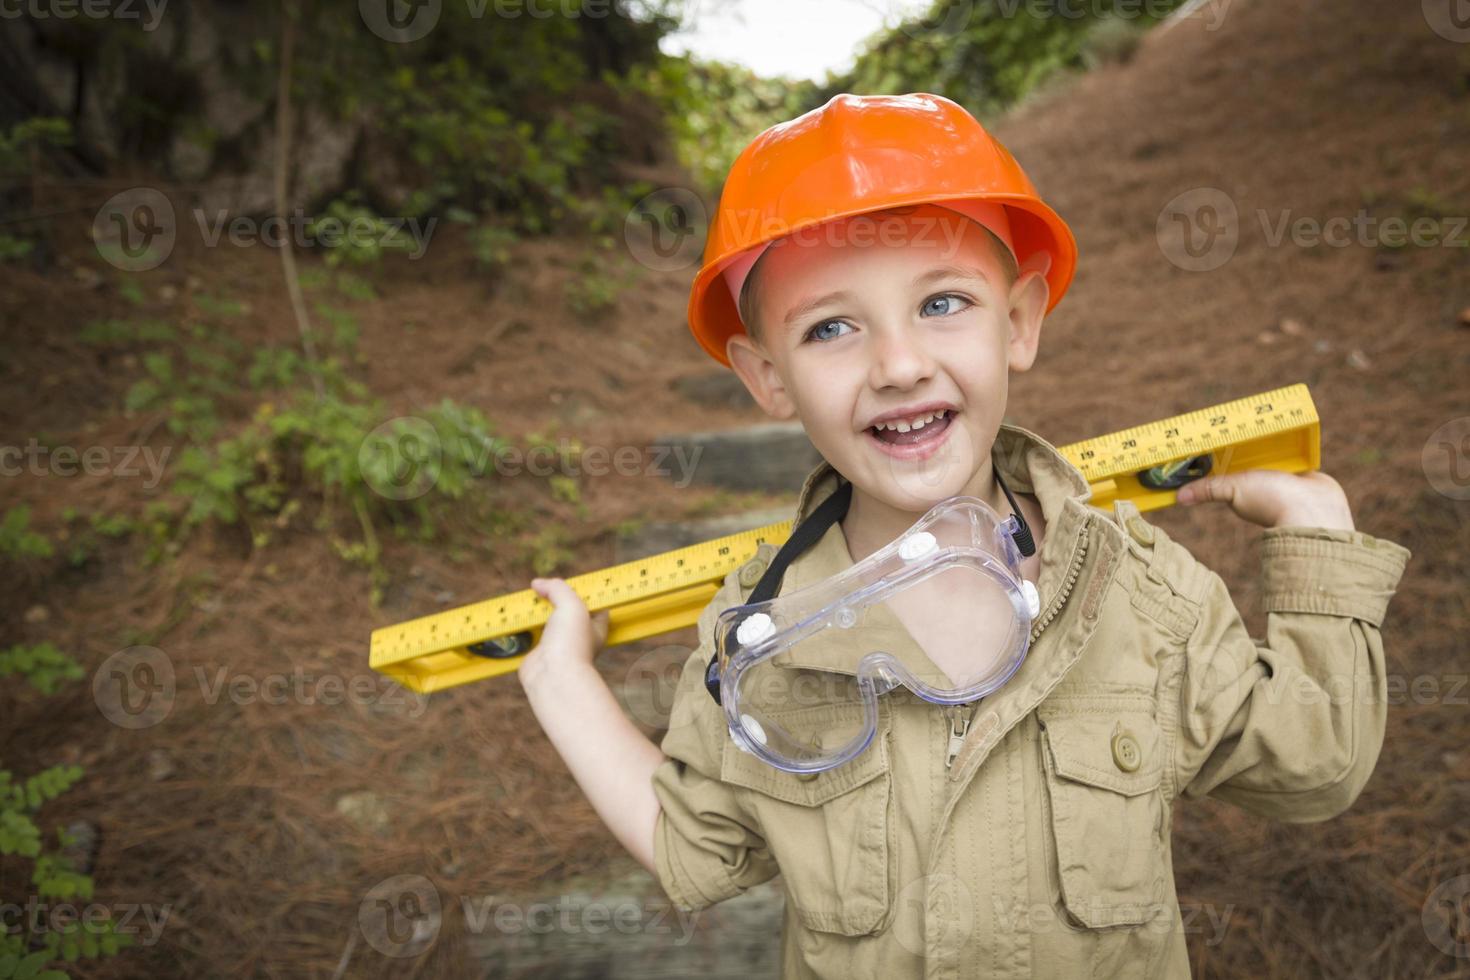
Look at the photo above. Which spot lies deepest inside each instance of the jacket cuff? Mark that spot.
(680, 883)
(1331, 571)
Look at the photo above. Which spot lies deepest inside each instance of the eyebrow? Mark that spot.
(935, 274)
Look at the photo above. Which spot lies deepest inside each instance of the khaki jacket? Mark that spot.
(1042, 847)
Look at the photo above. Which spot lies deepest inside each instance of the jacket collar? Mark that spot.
(1028, 463)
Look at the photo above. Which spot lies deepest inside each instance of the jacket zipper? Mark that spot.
(957, 728)
(959, 725)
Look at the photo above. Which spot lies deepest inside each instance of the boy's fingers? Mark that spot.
(556, 591)
(1208, 490)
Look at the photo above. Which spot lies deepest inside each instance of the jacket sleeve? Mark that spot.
(707, 846)
(1291, 727)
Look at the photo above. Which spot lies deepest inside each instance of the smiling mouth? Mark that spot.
(910, 434)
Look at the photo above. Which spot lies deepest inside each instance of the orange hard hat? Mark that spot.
(861, 153)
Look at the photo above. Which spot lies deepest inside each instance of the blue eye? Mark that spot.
(950, 297)
(813, 333)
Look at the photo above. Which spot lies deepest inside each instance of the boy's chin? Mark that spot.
(916, 487)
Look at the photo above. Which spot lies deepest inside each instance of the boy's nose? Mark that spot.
(899, 359)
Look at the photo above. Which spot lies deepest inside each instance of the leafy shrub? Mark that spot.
(17, 540)
(35, 949)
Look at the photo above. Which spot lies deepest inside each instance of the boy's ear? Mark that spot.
(754, 367)
(1028, 299)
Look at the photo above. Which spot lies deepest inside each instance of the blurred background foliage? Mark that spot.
(527, 124)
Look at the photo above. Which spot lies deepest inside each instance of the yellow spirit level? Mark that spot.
(1276, 430)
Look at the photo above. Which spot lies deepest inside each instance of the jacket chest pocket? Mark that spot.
(828, 832)
(1104, 767)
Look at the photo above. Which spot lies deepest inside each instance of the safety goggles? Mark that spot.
(943, 610)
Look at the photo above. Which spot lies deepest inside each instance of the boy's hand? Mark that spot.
(1272, 498)
(571, 638)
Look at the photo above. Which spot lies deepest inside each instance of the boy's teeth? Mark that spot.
(917, 422)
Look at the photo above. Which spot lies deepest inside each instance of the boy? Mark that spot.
(877, 268)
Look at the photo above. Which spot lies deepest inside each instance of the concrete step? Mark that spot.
(775, 457)
(624, 928)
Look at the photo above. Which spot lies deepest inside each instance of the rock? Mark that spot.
(89, 278)
(1357, 359)
(1292, 328)
(84, 840)
(37, 614)
(622, 928)
(1322, 346)
(1266, 338)
(160, 765)
(366, 811)
(775, 458)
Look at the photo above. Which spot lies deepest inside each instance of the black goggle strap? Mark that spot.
(808, 533)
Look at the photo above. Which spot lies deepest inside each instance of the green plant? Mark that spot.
(549, 550)
(122, 333)
(43, 666)
(492, 244)
(988, 55)
(350, 232)
(333, 450)
(36, 948)
(13, 249)
(17, 540)
(601, 277)
(1111, 41)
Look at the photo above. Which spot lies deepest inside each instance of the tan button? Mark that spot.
(1141, 531)
(807, 777)
(1126, 752)
(751, 572)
